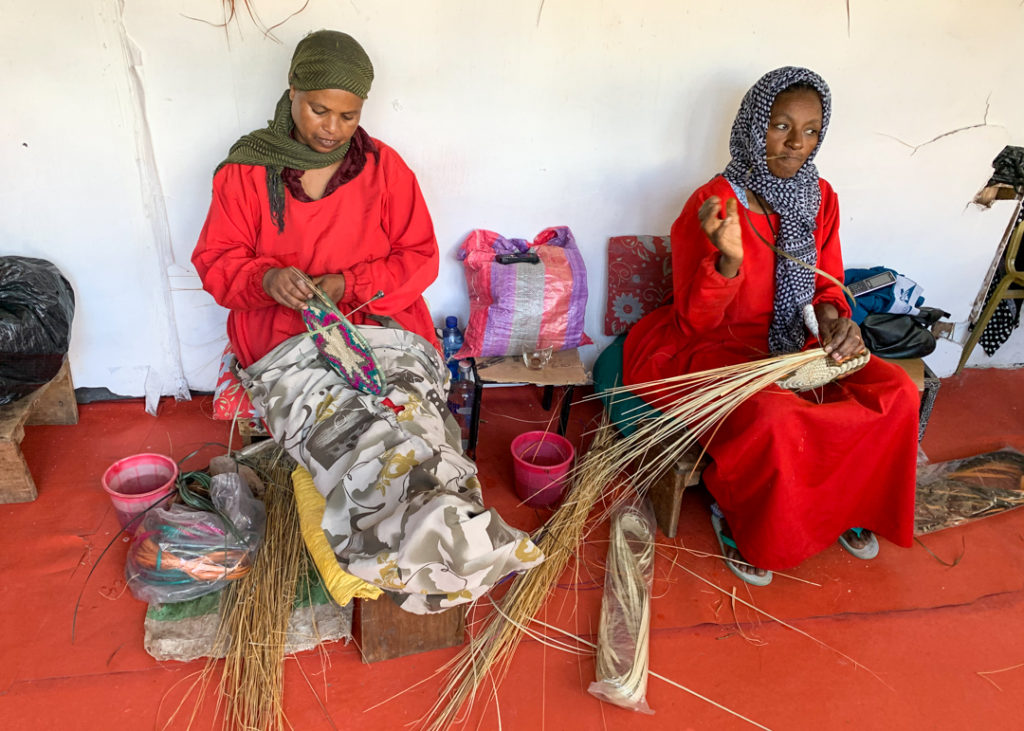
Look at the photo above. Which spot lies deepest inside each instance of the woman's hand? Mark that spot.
(333, 286)
(840, 337)
(287, 287)
(724, 233)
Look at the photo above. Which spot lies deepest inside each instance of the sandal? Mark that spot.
(866, 552)
(723, 541)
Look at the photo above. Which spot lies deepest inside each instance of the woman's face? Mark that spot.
(793, 131)
(325, 119)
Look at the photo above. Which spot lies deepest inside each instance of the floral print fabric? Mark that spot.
(404, 507)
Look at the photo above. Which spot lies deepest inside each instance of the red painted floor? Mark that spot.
(896, 643)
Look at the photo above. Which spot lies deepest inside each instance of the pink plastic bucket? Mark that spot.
(541, 462)
(138, 482)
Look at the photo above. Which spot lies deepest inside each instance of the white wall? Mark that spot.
(515, 115)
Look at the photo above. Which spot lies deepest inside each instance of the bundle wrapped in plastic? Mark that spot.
(622, 644)
(180, 553)
(37, 306)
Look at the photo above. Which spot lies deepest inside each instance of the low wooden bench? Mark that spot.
(385, 631)
(54, 403)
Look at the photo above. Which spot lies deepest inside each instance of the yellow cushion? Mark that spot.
(342, 587)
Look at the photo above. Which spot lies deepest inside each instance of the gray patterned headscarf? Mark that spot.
(795, 199)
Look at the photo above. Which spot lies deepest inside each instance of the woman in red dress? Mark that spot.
(791, 472)
(313, 196)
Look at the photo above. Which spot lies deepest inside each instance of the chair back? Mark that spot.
(639, 279)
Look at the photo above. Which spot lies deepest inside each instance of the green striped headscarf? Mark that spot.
(325, 59)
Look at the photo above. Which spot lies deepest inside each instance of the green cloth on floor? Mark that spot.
(309, 592)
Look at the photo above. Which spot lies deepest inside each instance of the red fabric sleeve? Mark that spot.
(225, 256)
(412, 264)
(701, 292)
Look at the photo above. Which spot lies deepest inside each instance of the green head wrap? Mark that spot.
(328, 59)
(325, 59)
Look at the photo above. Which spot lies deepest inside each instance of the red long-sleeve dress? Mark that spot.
(375, 230)
(790, 471)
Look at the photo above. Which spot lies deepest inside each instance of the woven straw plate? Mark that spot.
(823, 371)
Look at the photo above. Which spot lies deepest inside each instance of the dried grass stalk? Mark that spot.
(624, 633)
(490, 650)
(255, 613)
(692, 405)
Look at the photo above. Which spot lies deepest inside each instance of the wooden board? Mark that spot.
(564, 369)
(385, 631)
(54, 403)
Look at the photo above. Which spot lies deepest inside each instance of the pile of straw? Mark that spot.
(957, 492)
(691, 405)
(255, 611)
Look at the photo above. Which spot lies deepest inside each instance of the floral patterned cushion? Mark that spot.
(229, 397)
(639, 279)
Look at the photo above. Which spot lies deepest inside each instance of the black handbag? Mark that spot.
(901, 336)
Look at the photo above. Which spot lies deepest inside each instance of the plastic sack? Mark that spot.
(180, 553)
(624, 633)
(520, 306)
(37, 305)
(963, 490)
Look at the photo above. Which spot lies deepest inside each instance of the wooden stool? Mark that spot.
(385, 630)
(565, 369)
(53, 403)
(666, 493)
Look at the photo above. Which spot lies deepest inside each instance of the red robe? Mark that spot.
(790, 471)
(375, 230)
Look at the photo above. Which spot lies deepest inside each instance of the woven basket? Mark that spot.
(341, 344)
(823, 371)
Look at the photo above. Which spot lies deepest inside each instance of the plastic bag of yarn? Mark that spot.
(524, 296)
(37, 305)
(180, 553)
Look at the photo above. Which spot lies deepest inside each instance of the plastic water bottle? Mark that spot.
(451, 343)
(460, 400)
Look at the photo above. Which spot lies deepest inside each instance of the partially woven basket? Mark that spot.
(340, 343)
(822, 371)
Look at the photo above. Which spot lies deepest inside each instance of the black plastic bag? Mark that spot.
(37, 306)
(901, 336)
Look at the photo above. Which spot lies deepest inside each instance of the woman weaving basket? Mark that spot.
(790, 472)
(312, 205)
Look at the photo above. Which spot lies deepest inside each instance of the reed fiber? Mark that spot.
(691, 405)
(255, 610)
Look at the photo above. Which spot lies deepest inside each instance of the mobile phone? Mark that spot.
(872, 283)
(525, 257)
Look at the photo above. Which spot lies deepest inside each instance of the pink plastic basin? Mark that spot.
(136, 483)
(541, 462)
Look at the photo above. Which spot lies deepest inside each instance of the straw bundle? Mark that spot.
(691, 405)
(490, 651)
(624, 633)
(256, 609)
